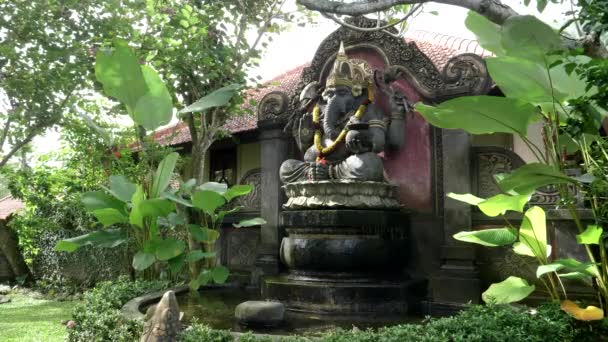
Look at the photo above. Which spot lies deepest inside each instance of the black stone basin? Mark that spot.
(215, 307)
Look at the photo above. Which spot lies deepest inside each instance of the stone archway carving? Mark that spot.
(465, 74)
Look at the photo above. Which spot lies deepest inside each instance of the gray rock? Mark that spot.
(164, 323)
(4, 299)
(4, 289)
(260, 313)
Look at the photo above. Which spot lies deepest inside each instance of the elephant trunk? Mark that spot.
(333, 110)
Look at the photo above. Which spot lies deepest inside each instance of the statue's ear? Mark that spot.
(311, 91)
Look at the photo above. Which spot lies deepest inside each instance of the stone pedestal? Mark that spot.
(343, 261)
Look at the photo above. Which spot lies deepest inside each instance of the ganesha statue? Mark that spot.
(341, 130)
(344, 130)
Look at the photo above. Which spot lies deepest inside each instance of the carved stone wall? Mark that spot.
(490, 161)
(465, 74)
(496, 264)
(251, 202)
(242, 247)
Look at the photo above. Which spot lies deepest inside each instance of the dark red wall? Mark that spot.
(410, 167)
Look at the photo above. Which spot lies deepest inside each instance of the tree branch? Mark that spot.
(7, 126)
(15, 148)
(494, 10)
(378, 27)
(35, 130)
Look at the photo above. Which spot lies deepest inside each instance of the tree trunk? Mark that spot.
(9, 246)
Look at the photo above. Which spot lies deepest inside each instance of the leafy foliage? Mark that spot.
(474, 324)
(535, 72)
(98, 317)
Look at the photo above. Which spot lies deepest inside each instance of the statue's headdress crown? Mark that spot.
(353, 73)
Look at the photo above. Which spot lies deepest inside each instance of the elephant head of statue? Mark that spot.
(346, 88)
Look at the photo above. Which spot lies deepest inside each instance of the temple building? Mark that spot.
(430, 163)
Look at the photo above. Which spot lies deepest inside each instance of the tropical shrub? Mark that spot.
(142, 213)
(476, 323)
(98, 317)
(61, 273)
(536, 75)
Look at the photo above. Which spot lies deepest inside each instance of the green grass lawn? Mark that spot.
(26, 319)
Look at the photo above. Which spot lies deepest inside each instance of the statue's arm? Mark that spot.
(396, 126)
(396, 133)
(378, 137)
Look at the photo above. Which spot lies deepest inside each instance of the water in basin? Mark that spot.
(215, 307)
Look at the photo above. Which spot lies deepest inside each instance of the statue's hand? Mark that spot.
(318, 171)
(357, 142)
(399, 105)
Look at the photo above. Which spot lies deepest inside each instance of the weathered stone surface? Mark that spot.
(260, 313)
(341, 194)
(164, 324)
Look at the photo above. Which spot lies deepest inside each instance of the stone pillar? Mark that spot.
(272, 117)
(457, 281)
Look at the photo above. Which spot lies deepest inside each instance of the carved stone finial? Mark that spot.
(164, 323)
(273, 107)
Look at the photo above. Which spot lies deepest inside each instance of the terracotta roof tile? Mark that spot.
(9, 206)
(438, 47)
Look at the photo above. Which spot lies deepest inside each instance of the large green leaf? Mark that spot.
(119, 71)
(570, 265)
(110, 216)
(522, 79)
(163, 174)
(237, 191)
(591, 235)
(523, 249)
(533, 232)
(102, 238)
(489, 237)
(208, 201)
(571, 85)
(197, 255)
(212, 235)
(155, 108)
(121, 188)
(495, 205)
(95, 200)
(257, 221)
(488, 34)
(177, 199)
(198, 233)
(220, 274)
(528, 37)
(528, 178)
(136, 217)
(482, 114)
(218, 98)
(220, 188)
(467, 198)
(176, 264)
(222, 213)
(512, 289)
(143, 260)
(156, 207)
(169, 249)
(534, 82)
